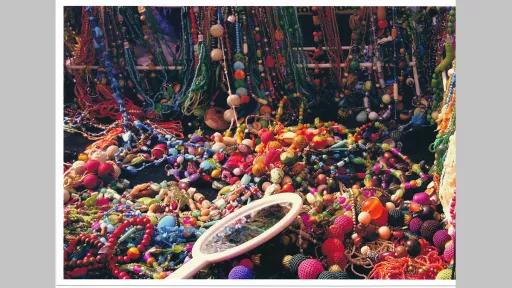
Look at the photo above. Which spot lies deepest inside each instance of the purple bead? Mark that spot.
(240, 272)
(440, 238)
(421, 198)
(415, 225)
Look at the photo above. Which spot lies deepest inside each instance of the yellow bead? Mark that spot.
(83, 157)
(286, 261)
(335, 268)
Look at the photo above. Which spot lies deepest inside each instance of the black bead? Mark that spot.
(295, 262)
(396, 218)
(413, 247)
(334, 275)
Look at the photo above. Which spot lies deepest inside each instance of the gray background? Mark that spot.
(27, 107)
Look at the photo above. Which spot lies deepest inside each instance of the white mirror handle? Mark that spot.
(189, 269)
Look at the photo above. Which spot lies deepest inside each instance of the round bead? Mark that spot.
(421, 198)
(296, 260)
(90, 181)
(386, 98)
(239, 74)
(401, 251)
(310, 269)
(428, 228)
(233, 100)
(449, 252)
(333, 275)
(345, 223)
(133, 253)
(217, 30)
(384, 232)
(364, 218)
(445, 274)
(413, 247)
(440, 238)
(365, 250)
(373, 116)
(332, 245)
(216, 54)
(241, 91)
(362, 116)
(415, 225)
(396, 218)
(238, 65)
(240, 272)
(229, 115)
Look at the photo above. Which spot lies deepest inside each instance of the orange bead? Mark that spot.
(373, 206)
(133, 253)
(150, 261)
(414, 207)
(239, 74)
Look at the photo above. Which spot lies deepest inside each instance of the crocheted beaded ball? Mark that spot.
(310, 269)
(295, 262)
(445, 274)
(338, 258)
(440, 238)
(396, 218)
(345, 222)
(333, 275)
(240, 272)
(428, 228)
(335, 231)
(449, 252)
(331, 246)
(415, 225)
(286, 261)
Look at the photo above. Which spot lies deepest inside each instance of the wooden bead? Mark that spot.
(217, 30)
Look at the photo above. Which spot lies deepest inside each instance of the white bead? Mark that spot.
(362, 117)
(373, 116)
(233, 100)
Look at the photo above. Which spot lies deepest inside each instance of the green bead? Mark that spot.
(239, 83)
(354, 65)
(239, 57)
(196, 213)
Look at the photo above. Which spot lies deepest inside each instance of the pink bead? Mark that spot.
(346, 223)
(421, 198)
(310, 269)
(449, 252)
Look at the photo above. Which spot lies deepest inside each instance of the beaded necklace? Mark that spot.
(105, 60)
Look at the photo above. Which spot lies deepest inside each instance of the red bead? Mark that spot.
(105, 169)
(90, 181)
(92, 166)
(331, 246)
(239, 74)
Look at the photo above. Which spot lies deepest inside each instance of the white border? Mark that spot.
(59, 150)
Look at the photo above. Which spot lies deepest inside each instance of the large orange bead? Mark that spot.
(133, 253)
(239, 74)
(373, 206)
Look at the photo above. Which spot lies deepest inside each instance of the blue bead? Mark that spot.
(241, 91)
(238, 65)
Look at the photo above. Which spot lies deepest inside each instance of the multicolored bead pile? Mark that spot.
(144, 188)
